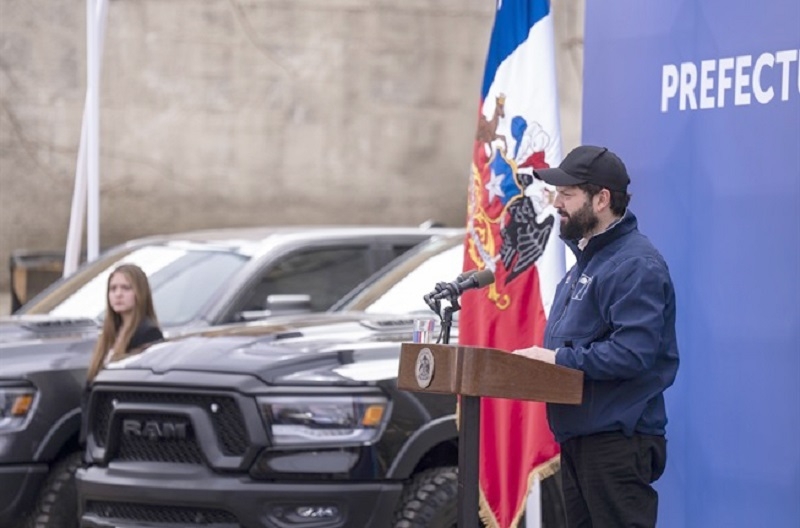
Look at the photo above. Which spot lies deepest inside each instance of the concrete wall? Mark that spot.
(241, 112)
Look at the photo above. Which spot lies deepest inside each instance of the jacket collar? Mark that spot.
(621, 227)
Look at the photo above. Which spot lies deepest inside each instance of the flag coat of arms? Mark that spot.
(512, 229)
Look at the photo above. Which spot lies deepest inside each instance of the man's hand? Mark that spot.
(535, 352)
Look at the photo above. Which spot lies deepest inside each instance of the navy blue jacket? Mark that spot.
(613, 317)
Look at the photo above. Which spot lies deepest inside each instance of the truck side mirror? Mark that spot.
(279, 304)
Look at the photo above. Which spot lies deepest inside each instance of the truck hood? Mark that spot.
(30, 344)
(334, 348)
(21, 329)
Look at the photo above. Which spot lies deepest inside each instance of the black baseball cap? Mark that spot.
(589, 164)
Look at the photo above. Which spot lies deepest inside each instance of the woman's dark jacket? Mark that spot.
(146, 333)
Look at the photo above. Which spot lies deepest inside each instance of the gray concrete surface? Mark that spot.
(242, 112)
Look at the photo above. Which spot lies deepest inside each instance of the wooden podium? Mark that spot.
(473, 372)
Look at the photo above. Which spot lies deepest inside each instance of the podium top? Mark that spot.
(475, 371)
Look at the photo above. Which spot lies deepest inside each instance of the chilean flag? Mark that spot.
(512, 229)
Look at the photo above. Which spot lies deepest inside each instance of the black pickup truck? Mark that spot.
(199, 280)
(293, 422)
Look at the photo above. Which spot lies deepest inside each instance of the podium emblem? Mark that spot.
(424, 368)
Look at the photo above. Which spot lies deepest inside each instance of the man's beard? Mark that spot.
(578, 224)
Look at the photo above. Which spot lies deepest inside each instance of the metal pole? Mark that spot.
(92, 132)
(79, 195)
(76, 216)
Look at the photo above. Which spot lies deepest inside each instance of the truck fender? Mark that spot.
(442, 429)
(62, 432)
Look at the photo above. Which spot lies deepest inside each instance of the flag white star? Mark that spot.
(493, 186)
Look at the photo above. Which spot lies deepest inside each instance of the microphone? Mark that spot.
(442, 285)
(466, 281)
(467, 274)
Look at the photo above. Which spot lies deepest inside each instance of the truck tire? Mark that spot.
(429, 500)
(57, 506)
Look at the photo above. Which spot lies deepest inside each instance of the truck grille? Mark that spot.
(226, 418)
(163, 515)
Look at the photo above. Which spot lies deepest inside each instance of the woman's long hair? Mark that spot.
(112, 324)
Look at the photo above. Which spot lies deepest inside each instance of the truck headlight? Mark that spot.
(324, 420)
(16, 404)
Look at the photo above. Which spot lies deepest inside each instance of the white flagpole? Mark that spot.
(72, 254)
(92, 137)
(79, 195)
(92, 133)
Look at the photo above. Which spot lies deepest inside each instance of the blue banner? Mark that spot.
(701, 99)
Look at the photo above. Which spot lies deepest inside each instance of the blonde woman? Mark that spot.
(130, 321)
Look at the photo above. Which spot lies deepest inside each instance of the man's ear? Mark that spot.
(602, 200)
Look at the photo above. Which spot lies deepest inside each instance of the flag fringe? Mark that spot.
(543, 471)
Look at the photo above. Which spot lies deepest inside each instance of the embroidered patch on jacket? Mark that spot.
(581, 287)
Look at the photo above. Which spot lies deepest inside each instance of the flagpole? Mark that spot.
(79, 194)
(92, 132)
(72, 253)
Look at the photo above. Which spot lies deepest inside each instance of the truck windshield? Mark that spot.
(399, 290)
(174, 272)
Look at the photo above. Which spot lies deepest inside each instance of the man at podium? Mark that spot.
(613, 318)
